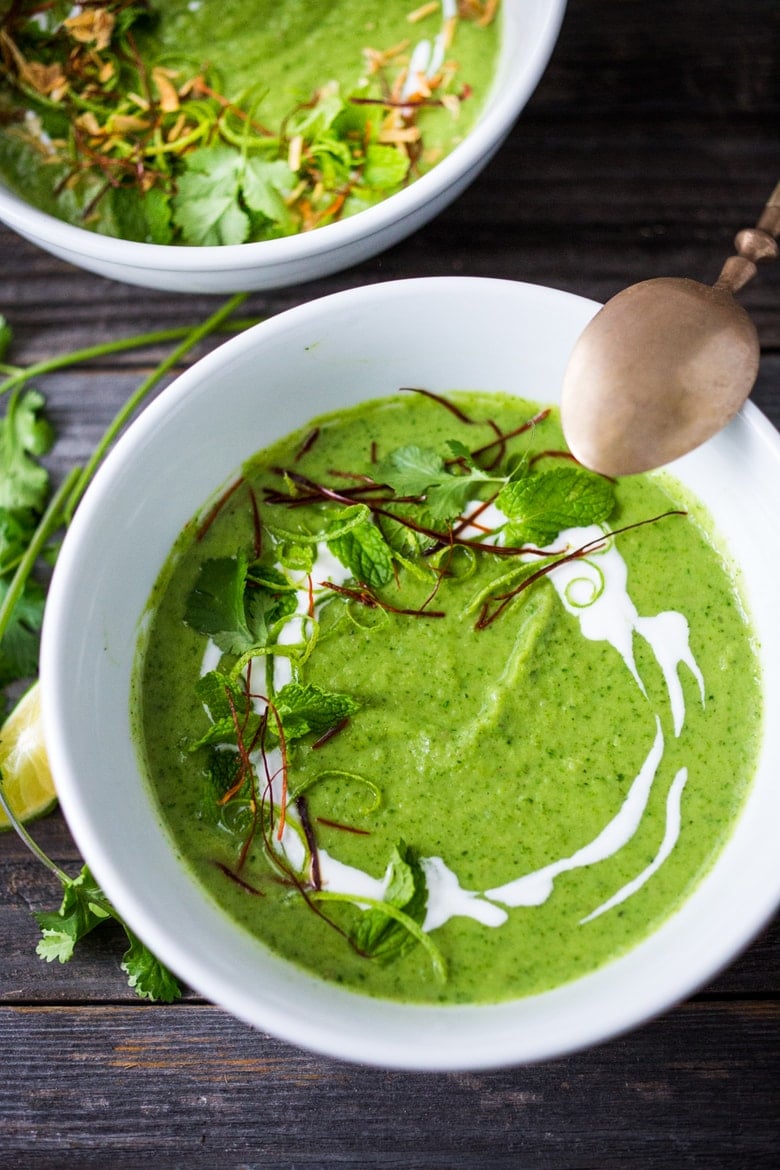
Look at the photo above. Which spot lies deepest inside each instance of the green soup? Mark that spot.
(440, 716)
(222, 121)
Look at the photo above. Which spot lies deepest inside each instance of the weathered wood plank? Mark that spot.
(650, 140)
(188, 1086)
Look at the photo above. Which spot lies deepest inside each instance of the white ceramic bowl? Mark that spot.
(529, 32)
(438, 333)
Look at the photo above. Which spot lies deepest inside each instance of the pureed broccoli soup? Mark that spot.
(212, 122)
(438, 714)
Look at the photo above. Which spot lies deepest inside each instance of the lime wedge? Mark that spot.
(26, 777)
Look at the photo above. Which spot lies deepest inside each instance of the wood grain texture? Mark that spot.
(651, 139)
(191, 1087)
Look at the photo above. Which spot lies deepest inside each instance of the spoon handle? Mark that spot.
(753, 245)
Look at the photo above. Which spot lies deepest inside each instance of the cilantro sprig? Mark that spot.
(31, 514)
(84, 908)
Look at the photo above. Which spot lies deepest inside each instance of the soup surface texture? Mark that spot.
(438, 714)
(222, 121)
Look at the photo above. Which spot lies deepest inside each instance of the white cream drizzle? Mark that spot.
(671, 833)
(592, 589)
(535, 888)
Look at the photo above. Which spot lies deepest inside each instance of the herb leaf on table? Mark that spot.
(30, 515)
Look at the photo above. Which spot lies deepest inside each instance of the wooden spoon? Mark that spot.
(666, 363)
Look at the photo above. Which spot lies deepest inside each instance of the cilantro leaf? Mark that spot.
(24, 435)
(238, 605)
(16, 529)
(159, 215)
(543, 504)
(381, 936)
(361, 547)
(384, 167)
(265, 184)
(82, 909)
(20, 641)
(206, 204)
(410, 470)
(146, 975)
(305, 707)
(6, 336)
(418, 471)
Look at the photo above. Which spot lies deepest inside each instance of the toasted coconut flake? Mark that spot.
(295, 153)
(400, 135)
(448, 31)
(481, 13)
(48, 80)
(163, 80)
(423, 11)
(378, 59)
(127, 124)
(93, 25)
(177, 128)
(89, 124)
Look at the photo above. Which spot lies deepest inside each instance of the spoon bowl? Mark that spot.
(666, 363)
(660, 369)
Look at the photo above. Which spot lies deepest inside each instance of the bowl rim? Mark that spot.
(667, 989)
(502, 110)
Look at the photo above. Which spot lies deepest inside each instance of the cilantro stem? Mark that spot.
(32, 845)
(20, 374)
(49, 522)
(191, 338)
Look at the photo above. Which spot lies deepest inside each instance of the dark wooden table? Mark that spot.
(651, 139)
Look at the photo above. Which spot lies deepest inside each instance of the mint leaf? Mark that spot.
(304, 707)
(361, 548)
(24, 435)
(215, 690)
(543, 504)
(146, 975)
(383, 937)
(222, 773)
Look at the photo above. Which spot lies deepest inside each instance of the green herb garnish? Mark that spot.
(163, 152)
(30, 516)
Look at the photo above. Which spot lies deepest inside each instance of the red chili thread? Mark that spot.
(344, 828)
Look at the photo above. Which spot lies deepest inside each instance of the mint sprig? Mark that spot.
(361, 547)
(541, 504)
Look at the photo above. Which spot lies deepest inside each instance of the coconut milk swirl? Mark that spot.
(594, 590)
